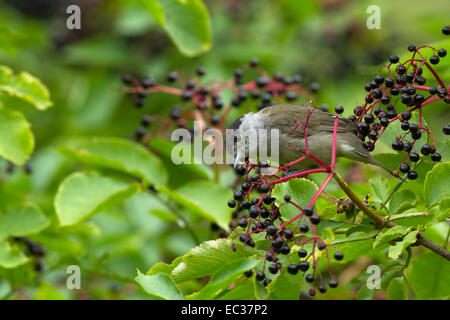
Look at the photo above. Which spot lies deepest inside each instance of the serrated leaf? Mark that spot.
(207, 258)
(16, 138)
(187, 23)
(285, 287)
(21, 221)
(162, 267)
(429, 276)
(437, 184)
(159, 286)
(84, 193)
(402, 200)
(10, 255)
(397, 289)
(379, 188)
(301, 192)
(396, 250)
(121, 155)
(390, 234)
(204, 198)
(26, 87)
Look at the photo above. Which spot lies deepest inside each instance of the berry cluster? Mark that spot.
(397, 91)
(257, 213)
(204, 102)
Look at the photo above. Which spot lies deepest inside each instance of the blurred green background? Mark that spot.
(326, 41)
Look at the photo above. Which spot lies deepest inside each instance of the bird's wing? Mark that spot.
(290, 119)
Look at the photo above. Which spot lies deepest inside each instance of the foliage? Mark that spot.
(75, 189)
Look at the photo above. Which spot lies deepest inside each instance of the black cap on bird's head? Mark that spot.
(236, 124)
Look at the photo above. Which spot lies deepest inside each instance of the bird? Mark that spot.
(288, 119)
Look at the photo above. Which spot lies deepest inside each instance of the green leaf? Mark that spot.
(186, 22)
(162, 267)
(164, 148)
(159, 286)
(390, 234)
(241, 292)
(209, 257)
(21, 221)
(83, 193)
(10, 255)
(437, 184)
(164, 215)
(223, 278)
(301, 192)
(204, 198)
(16, 138)
(402, 200)
(26, 87)
(47, 292)
(364, 293)
(285, 287)
(429, 276)
(121, 155)
(379, 188)
(396, 250)
(397, 289)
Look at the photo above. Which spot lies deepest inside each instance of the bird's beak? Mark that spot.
(237, 159)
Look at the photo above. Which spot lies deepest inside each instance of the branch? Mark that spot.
(381, 222)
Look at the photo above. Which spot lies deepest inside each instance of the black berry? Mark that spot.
(442, 53)
(292, 268)
(273, 268)
(436, 157)
(303, 265)
(412, 175)
(271, 230)
(171, 77)
(339, 255)
(339, 109)
(260, 275)
(333, 283)
(404, 167)
(304, 228)
(302, 253)
(308, 211)
(394, 58)
(426, 149)
(434, 59)
(248, 273)
(232, 203)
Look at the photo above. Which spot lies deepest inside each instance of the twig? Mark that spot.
(381, 222)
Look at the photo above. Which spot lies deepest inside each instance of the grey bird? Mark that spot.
(286, 118)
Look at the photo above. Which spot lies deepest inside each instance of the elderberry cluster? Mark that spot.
(392, 97)
(199, 100)
(256, 212)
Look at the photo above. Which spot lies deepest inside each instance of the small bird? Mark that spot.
(289, 119)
